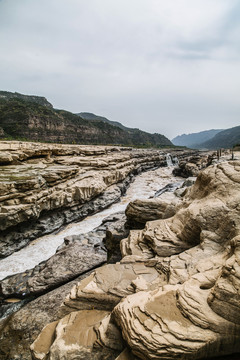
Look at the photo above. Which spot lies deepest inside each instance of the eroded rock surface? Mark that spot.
(44, 186)
(20, 329)
(138, 212)
(175, 294)
(77, 255)
(192, 164)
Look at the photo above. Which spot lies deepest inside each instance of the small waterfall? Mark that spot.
(175, 161)
(169, 160)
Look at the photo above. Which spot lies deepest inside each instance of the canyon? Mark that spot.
(158, 281)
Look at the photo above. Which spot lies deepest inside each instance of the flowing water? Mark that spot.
(143, 187)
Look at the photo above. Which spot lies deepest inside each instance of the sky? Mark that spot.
(166, 66)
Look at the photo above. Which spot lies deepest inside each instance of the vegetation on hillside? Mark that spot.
(21, 119)
(7, 95)
(225, 139)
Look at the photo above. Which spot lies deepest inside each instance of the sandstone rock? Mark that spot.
(89, 334)
(138, 212)
(46, 186)
(175, 293)
(20, 329)
(192, 164)
(126, 355)
(109, 284)
(5, 157)
(198, 311)
(74, 335)
(224, 298)
(78, 254)
(53, 220)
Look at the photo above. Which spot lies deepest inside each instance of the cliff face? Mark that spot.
(25, 117)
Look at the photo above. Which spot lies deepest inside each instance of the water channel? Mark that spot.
(143, 187)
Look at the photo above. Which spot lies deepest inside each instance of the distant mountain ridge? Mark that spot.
(225, 139)
(195, 140)
(91, 116)
(27, 117)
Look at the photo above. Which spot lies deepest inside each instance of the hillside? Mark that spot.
(193, 140)
(7, 95)
(23, 118)
(91, 116)
(224, 139)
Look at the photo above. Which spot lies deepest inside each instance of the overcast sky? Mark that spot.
(167, 66)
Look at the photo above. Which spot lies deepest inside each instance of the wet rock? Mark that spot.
(78, 254)
(68, 263)
(116, 230)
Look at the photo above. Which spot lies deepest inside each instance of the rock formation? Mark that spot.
(175, 293)
(191, 165)
(44, 186)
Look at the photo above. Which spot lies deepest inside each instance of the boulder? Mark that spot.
(138, 212)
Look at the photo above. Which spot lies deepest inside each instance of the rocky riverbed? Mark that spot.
(144, 186)
(174, 294)
(162, 287)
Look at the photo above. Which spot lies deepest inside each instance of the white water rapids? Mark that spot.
(42, 248)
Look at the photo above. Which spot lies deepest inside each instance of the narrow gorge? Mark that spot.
(159, 280)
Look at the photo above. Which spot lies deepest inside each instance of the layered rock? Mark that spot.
(44, 186)
(175, 294)
(77, 255)
(189, 317)
(192, 164)
(69, 262)
(76, 334)
(138, 212)
(21, 328)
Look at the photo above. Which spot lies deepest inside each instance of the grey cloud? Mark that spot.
(127, 60)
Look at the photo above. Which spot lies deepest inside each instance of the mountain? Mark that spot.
(91, 116)
(225, 139)
(24, 117)
(134, 133)
(193, 140)
(7, 95)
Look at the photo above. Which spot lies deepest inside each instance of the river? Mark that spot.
(144, 186)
